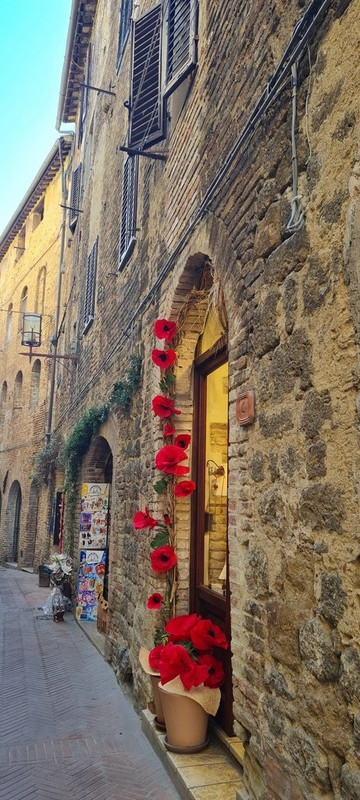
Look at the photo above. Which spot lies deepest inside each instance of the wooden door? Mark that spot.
(209, 550)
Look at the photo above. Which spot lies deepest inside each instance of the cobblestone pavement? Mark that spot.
(66, 729)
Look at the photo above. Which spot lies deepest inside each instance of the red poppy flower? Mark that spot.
(175, 660)
(183, 440)
(216, 674)
(163, 558)
(164, 329)
(206, 634)
(163, 358)
(179, 628)
(169, 430)
(164, 406)
(167, 520)
(168, 458)
(155, 600)
(154, 657)
(184, 488)
(142, 520)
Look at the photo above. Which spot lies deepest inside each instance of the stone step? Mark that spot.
(212, 773)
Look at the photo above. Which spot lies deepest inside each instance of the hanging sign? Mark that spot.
(94, 515)
(90, 583)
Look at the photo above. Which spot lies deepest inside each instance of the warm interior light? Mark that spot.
(31, 330)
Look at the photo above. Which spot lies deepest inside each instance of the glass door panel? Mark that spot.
(215, 480)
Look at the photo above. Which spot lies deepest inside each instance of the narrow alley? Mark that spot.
(66, 729)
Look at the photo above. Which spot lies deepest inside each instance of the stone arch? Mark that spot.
(18, 388)
(40, 291)
(190, 306)
(23, 307)
(31, 523)
(98, 462)
(3, 399)
(35, 383)
(13, 512)
(9, 322)
(99, 465)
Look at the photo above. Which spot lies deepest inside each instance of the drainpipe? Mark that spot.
(54, 339)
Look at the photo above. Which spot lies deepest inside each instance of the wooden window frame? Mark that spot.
(188, 65)
(146, 43)
(84, 101)
(127, 237)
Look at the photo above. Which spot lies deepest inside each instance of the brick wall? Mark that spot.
(292, 310)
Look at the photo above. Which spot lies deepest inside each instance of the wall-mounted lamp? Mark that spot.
(31, 337)
(31, 330)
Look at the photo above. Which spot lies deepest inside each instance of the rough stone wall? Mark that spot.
(293, 327)
(24, 415)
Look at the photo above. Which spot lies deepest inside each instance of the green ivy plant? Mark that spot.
(47, 460)
(68, 456)
(82, 435)
(123, 390)
(79, 442)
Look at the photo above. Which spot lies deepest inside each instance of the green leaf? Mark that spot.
(167, 381)
(160, 486)
(160, 538)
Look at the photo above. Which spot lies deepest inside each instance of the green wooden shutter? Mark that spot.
(89, 301)
(146, 104)
(75, 197)
(181, 41)
(128, 210)
(124, 27)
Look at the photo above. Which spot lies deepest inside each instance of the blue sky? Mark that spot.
(32, 48)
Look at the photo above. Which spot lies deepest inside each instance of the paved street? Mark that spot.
(66, 730)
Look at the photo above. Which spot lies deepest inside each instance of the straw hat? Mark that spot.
(144, 661)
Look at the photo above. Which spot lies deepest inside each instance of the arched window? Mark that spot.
(3, 395)
(8, 323)
(40, 291)
(35, 384)
(23, 305)
(18, 391)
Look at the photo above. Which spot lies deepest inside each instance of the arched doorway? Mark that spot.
(13, 521)
(203, 375)
(31, 522)
(97, 473)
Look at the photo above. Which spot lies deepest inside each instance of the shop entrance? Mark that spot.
(210, 594)
(94, 538)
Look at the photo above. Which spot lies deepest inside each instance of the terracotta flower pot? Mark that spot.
(159, 719)
(186, 723)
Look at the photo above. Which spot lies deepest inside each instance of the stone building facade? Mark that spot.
(234, 203)
(30, 249)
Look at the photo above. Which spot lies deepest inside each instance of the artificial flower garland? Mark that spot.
(185, 646)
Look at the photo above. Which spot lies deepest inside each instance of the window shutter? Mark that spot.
(128, 210)
(89, 302)
(181, 41)
(85, 94)
(146, 104)
(124, 27)
(75, 197)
